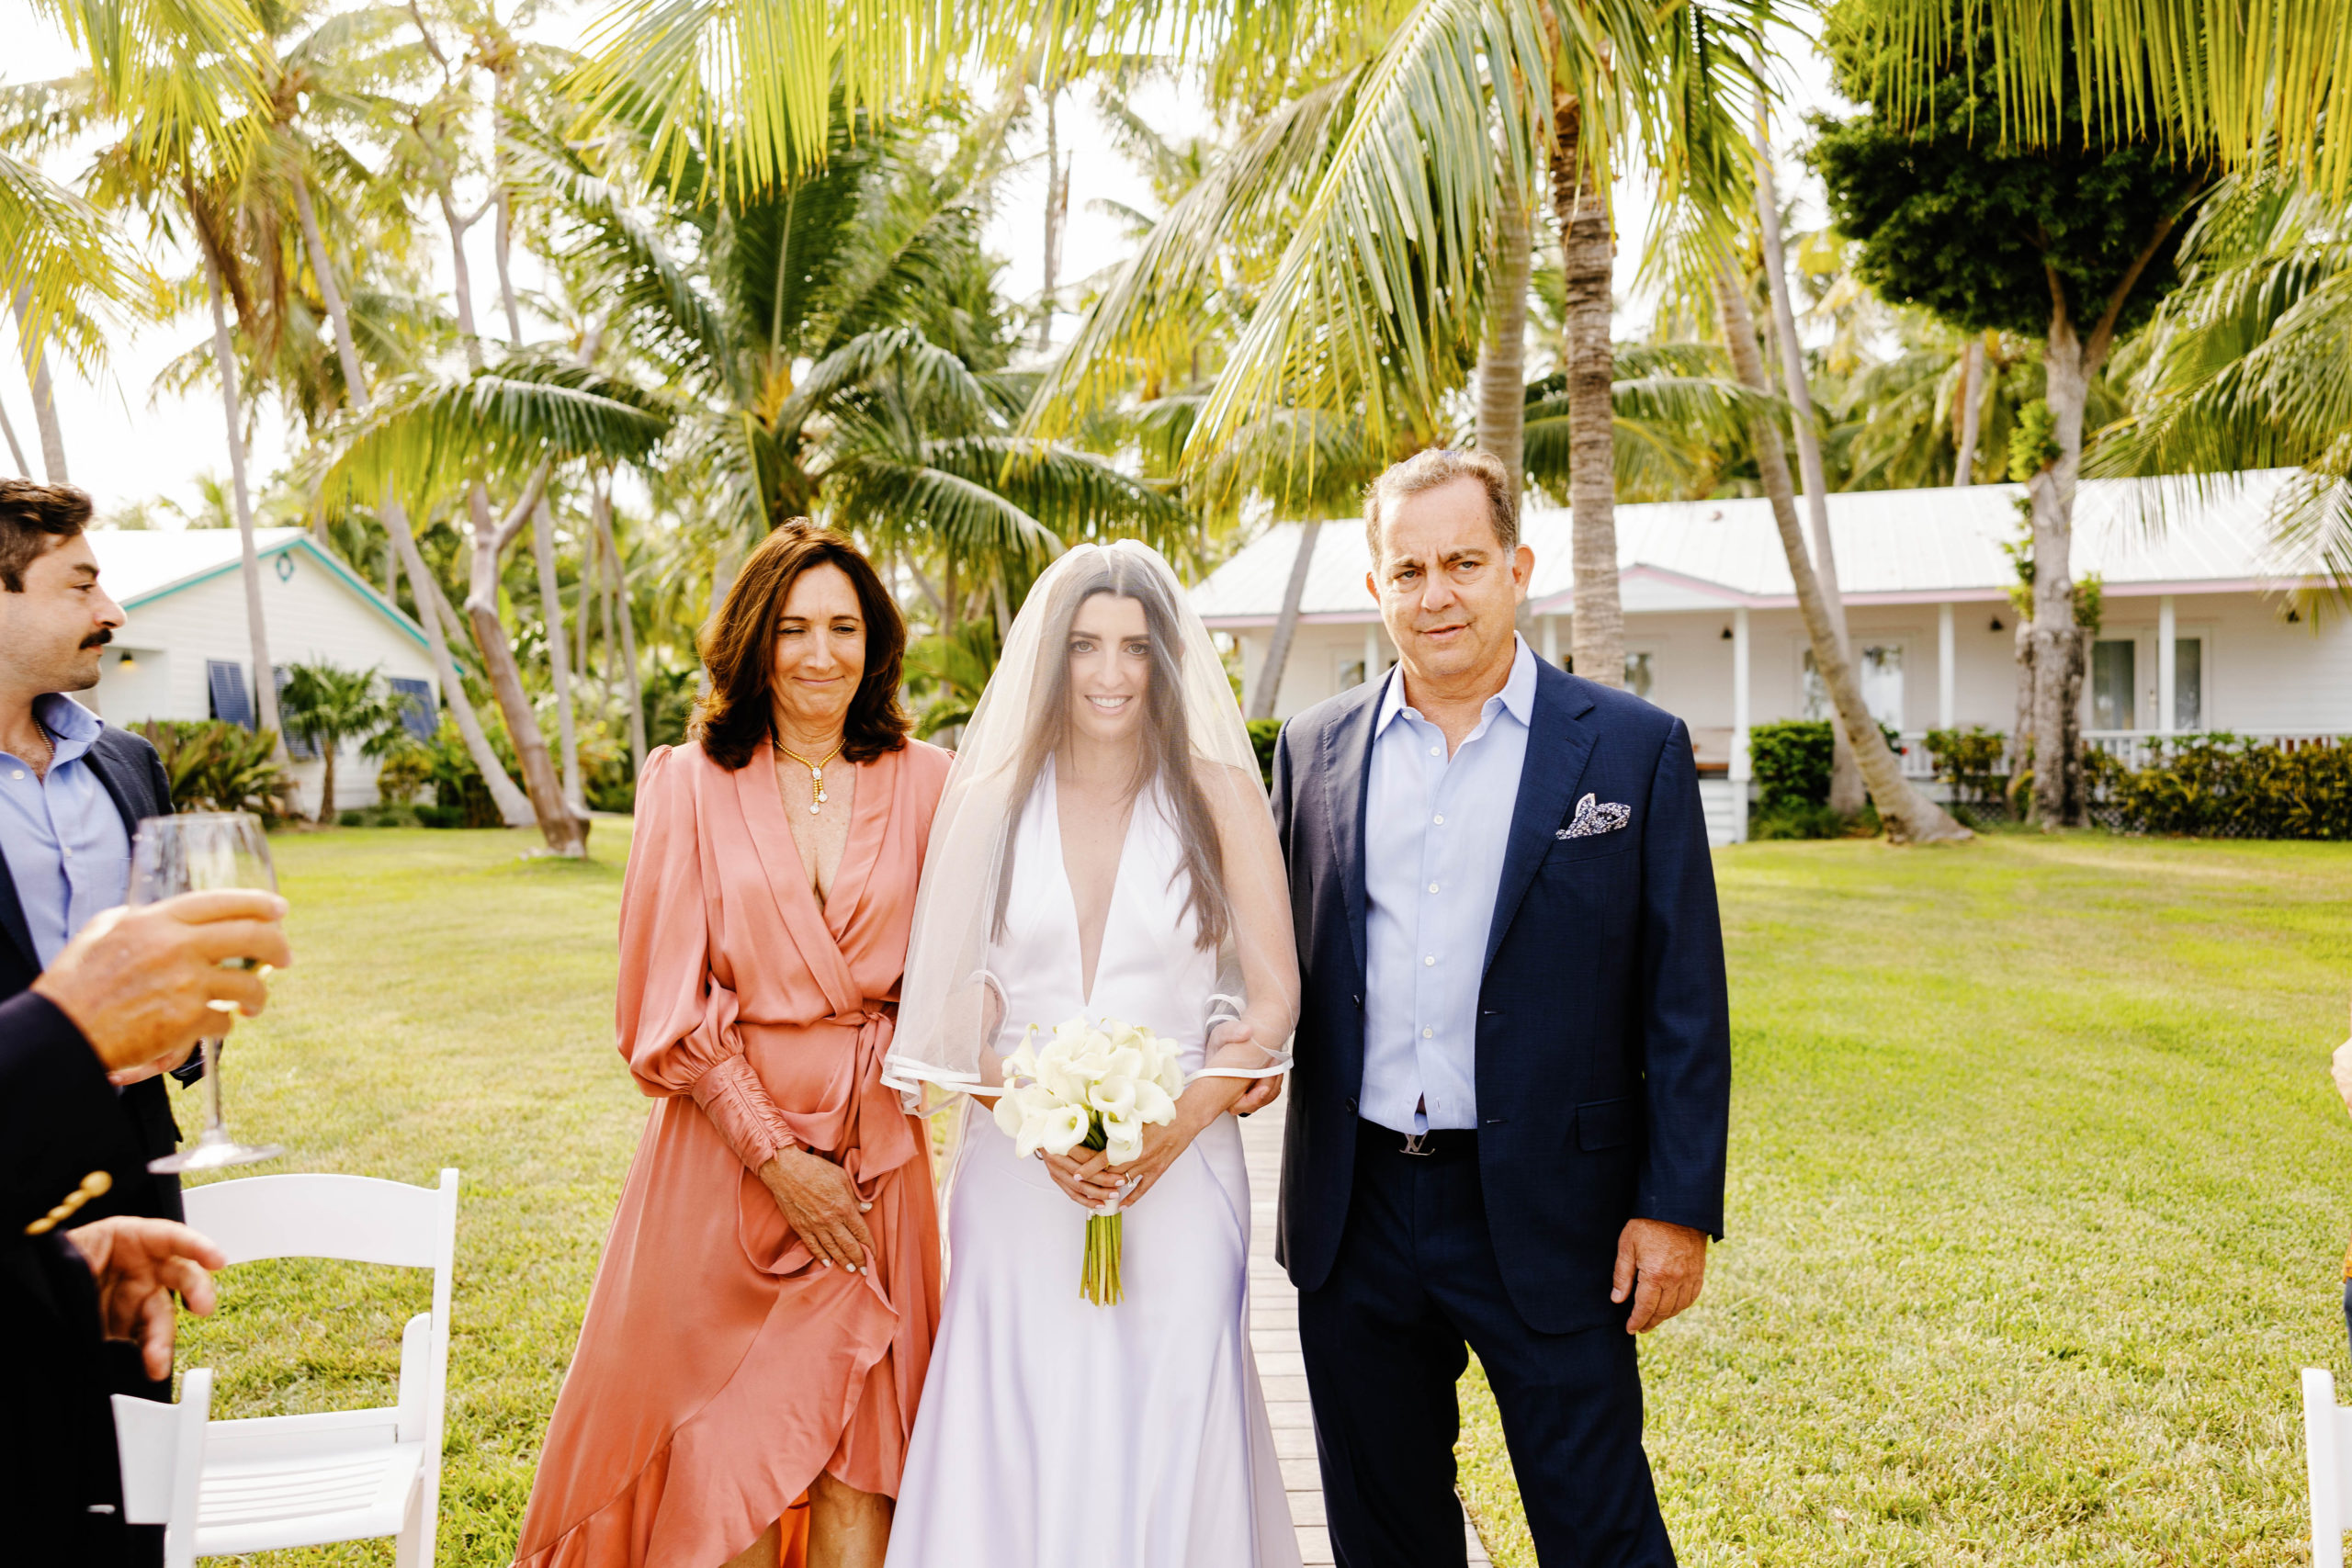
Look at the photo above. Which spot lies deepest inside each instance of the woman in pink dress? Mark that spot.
(762, 1321)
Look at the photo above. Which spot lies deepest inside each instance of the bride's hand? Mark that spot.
(1160, 1148)
(1084, 1176)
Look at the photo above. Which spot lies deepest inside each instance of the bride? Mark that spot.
(1103, 847)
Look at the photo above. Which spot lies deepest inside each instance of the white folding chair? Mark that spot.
(162, 1448)
(282, 1481)
(2327, 1450)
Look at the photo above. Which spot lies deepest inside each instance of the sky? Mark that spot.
(125, 442)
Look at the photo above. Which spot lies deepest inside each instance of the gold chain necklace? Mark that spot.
(816, 772)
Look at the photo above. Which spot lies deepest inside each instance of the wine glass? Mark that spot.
(194, 852)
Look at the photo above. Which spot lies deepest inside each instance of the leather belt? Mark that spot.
(1438, 1143)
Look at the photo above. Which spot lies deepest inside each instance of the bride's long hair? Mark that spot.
(1164, 744)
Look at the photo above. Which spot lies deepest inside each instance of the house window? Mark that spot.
(2188, 682)
(1881, 669)
(297, 746)
(2114, 692)
(1637, 674)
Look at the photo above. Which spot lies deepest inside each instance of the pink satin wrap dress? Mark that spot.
(719, 1366)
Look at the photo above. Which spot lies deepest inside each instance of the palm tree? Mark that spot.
(326, 706)
(2248, 365)
(1405, 185)
(58, 258)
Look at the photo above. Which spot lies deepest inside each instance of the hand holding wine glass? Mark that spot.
(205, 852)
(143, 986)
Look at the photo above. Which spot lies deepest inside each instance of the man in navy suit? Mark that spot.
(1510, 1107)
(72, 788)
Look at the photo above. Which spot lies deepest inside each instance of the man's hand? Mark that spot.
(1661, 1266)
(139, 1263)
(143, 985)
(1261, 1093)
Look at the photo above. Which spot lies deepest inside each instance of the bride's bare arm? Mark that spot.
(1258, 1043)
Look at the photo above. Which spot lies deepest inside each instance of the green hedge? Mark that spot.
(2230, 786)
(1792, 760)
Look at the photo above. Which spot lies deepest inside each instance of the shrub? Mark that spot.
(1791, 759)
(1972, 763)
(407, 770)
(1264, 733)
(214, 765)
(1797, 819)
(462, 799)
(350, 819)
(2228, 786)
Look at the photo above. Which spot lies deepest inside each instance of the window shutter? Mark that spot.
(225, 680)
(297, 746)
(417, 713)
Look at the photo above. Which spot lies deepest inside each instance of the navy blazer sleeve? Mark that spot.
(1686, 1009)
(59, 1119)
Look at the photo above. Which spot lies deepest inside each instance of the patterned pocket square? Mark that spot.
(1594, 817)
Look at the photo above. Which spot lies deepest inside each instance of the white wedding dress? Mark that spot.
(1053, 1433)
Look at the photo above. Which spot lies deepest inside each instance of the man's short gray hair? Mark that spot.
(1427, 470)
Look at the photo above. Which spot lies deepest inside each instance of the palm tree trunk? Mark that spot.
(224, 355)
(566, 834)
(1056, 216)
(1502, 357)
(1972, 397)
(52, 439)
(433, 613)
(1270, 678)
(1846, 791)
(347, 348)
(14, 451)
(603, 511)
(559, 657)
(2057, 646)
(1587, 254)
(1910, 816)
(327, 785)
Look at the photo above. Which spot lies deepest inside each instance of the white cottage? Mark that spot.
(2197, 633)
(185, 651)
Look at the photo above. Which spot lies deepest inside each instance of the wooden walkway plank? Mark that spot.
(1273, 1335)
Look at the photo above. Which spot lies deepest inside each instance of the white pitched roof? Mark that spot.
(139, 566)
(2140, 535)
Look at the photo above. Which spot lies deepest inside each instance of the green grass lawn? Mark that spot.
(2035, 1208)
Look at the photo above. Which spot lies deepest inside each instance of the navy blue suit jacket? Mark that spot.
(1603, 1043)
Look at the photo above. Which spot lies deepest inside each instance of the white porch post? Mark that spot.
(1946, 707)
(1551, 639)
(1371, 650)
(1739, 722)
(2167, 663)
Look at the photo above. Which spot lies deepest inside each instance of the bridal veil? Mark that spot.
(950, 1006)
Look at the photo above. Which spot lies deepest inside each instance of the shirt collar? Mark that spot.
(71, 726)
(1518, 695)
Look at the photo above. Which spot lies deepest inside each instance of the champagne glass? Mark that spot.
(194, 852)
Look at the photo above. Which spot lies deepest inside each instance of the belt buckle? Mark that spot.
(1417, 1146)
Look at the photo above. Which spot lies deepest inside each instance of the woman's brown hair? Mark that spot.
(732, 719)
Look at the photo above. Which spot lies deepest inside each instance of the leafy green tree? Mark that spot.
(1404, 179)
(327, 707)
(2071, 241)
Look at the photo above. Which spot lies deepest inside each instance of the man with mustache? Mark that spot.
(73, 787)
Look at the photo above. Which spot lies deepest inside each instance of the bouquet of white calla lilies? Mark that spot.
(1095, 1086)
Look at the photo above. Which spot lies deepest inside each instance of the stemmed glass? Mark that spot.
(194, 852)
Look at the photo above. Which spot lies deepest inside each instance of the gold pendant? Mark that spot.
(817, 789)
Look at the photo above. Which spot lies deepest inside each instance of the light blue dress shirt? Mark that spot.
(1435, 831)
(66, 848)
